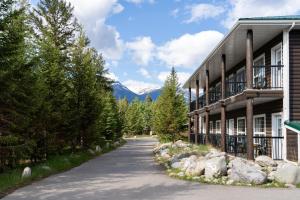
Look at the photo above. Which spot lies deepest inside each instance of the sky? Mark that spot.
(141, 40)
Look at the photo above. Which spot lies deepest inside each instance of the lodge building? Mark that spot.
(248, 89)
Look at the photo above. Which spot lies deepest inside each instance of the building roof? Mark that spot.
(232, 43)
(293, 125)
(287, 17)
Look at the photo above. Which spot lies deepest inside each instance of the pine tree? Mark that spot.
(148, 114)
(123, 107)
(55, 28)
(170, 110)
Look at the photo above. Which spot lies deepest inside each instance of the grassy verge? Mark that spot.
(12, 179)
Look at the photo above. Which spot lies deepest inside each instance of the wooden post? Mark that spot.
(223, 108)
(197, 115)
(190, 120)
(249, 106)
(207, 103)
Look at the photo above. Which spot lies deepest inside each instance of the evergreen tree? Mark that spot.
(55, 28)
(170, 110)
(148, 114)
(123, 107)
(134, 118)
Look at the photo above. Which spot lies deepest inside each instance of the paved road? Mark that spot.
(130, 173)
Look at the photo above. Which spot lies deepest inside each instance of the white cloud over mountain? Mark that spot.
(142, 50)
(138, 86)
(188, 50)
(93, 14)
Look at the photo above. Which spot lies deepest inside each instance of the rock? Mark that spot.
(26, 172)
(198, 168)
(215, 167)
(214, 154)
(161, 147)
(176, 165)
(290, 186)
(288, 173)
(244, 171)
(189, 162)
(265, 161)
(228, 171)
(91, 151)
(116, 144)
(98, 149)
(181, 144)
(271, 176)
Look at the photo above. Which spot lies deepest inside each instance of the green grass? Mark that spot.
(12, 179)
(298, 186)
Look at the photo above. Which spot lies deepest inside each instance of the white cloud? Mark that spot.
(189, 50)
(93, 14)
(144, 72)
(258, 8)
(182, 76)
(174, 12)
(203, 11)
(140, 1)
(138, 86)
(112, 76)
(142, 49)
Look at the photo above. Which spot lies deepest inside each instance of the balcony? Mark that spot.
(264, 77)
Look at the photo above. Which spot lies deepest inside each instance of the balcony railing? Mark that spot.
(264, 77)
(268, 77)
(237, 144)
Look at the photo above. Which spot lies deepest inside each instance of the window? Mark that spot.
(230, 126)
(218, 91)
(211, 127)
(240, 80)
(230, 85)
(276, 68)
(241, 126)
(218, 127)
(259, 72)
(259, 127)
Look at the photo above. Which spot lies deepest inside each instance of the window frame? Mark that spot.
(237, 126)
(211, 127)
(258, 134)
(218, 129)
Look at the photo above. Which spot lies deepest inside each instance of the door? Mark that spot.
(231, 127)
(277, 67)
(277, 139)
(259, 77)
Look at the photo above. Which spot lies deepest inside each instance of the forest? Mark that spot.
(54, 92)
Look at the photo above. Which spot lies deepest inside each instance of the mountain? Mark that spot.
(121, 91)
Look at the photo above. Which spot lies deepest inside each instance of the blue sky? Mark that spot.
(142, 39)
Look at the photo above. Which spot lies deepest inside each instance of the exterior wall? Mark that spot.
(294, 56)
(266, 108)
(292, 146)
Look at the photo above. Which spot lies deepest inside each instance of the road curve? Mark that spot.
(130, 173)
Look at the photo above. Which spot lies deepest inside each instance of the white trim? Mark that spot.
(258, 116)
(273, 122)
(237, 125)
(259, 57)
(273, 135)
(218, 131)
(273, 49)
(286, 88)
(292, 129)
(227, 126)
(211, 127)
(298, 148)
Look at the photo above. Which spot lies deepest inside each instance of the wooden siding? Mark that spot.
(292, 146)
(266, 108)
(294, 75)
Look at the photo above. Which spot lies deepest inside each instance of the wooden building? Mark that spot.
(247, 87)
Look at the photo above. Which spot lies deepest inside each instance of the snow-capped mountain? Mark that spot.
(121, 91)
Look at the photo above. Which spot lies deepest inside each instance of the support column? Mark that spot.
(223, 108)
(249, 85)
(207, 103)
(197, 115)
(190, 120)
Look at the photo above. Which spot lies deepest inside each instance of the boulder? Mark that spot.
(244, 171)
(287, 173)
(265, 161)
(116, 144)
(176, 165)
(215, 167)
(197, 169)
(181, 144)
(165, 153)
(98, 149)
(91, 151)
(26, 172)
(189, 162)
(214, 154)
(161, 147)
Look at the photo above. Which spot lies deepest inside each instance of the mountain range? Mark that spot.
(121, 91)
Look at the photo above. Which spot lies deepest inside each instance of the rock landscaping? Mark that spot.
(208, 165)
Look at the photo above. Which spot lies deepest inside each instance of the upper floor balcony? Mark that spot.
(265, 77)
